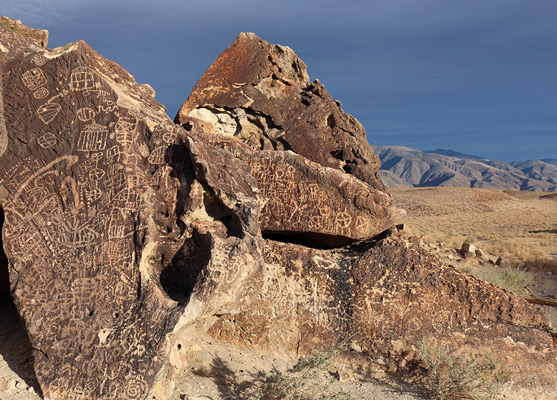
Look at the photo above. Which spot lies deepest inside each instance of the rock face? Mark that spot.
(261, 93)
(306, 151)
(111, 222)
(126, 235)
(390, 294)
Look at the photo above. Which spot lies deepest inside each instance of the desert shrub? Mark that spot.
(454, 376)
(301, 382)
(513, 279)
(541, 265)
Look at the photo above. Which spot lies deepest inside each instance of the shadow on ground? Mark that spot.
(231, 387)
(15, 347)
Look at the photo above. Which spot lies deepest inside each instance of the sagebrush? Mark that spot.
(301, 382)
(451, 375)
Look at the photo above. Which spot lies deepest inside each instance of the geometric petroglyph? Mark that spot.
(39, 59)
(92, 138)
(96, 174)
(343, 219)
(127, 199)
(85, 114)
(33, 79)
(125, 128)
(158, 155)
(40, 93)
(48, 112)
(47, 140)
(113, 155)
(83, 170)
(83, 78)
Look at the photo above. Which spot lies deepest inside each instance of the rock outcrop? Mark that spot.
(310, 158)
(261, 220)
(112, 222)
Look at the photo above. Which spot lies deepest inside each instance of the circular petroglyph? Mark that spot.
(135, 388)
(85, 114)
(40, 93)
(47, 140)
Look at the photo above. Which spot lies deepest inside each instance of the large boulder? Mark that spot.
(262, 93)
(117, 225)
(386, 296)
(310, 158)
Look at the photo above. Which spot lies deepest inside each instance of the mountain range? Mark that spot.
(406, 167)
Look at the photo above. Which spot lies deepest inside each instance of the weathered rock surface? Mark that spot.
(306, 151)
(389, 294)
(306, 202)
(261, 93)
(126, 235)
(112, 222)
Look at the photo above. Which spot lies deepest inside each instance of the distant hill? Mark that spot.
(406, 167)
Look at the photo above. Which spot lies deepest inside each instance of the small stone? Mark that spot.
(356, 347)
(468, 250)
(502, 262)
(21, 385)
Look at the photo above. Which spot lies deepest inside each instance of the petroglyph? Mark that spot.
(93, 138)
(47, 112)
(41, 93)
(84, 79)
(39, 59)
(33, 79)
(47, 140)
(86, 114)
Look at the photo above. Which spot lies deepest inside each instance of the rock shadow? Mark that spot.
(544, 231)
(228, 384)
(15, 347)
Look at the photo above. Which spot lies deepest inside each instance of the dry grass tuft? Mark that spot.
(513, 279)
(454, 376)
(541, 265)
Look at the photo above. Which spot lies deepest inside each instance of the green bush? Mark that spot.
(454, 376)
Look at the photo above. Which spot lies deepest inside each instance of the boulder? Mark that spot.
(387, 295)
(261, 93)
(118, 226)
(468, 250)
(306, 202)
(310, 159)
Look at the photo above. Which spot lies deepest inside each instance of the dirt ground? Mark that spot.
(513, 224)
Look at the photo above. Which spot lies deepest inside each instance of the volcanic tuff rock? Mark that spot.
(127, 235)
(302, 143)
(111, 222)
(262, 93)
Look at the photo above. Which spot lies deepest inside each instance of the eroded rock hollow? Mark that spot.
(257, 215)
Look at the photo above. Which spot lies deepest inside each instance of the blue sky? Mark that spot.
(479, 77)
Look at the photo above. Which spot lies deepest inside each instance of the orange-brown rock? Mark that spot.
(304, 201)
(310, 159)
(387, 295)
(262, 93)
(126, 234)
